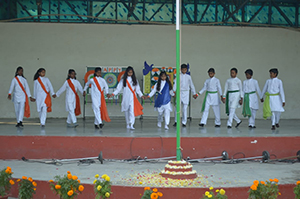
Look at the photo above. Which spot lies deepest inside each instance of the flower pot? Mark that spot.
(5, 197)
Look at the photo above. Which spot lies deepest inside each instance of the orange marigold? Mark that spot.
(68, 172)
(57, 186)
(70, 193)
(253, 187)
(155, 190)
(18, 180)
(279, 193)
(256, 182)
(271, 180)
(51, 181)
(153, 196)
(276, 180)
(262, 182)
(34, 184)
(298, 182)
(24, 177)
(9, 168)
(81, 188)
(147, 188)
(69, 176)
(78, 181)
(8, 171)
(11, 182)
(74, 177)
(159, 194)
(30, 179)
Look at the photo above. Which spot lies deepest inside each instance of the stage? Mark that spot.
(119, 145)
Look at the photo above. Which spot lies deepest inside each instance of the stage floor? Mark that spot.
(147, 127)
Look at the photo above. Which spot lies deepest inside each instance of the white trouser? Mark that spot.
(43, 115)
(232, 116)
(97, 114)
(19, 110)
(166, 113)
(183, 111)
(275, 117)
(216, 109)
(71, 117)
(252, 118)
(129, 116)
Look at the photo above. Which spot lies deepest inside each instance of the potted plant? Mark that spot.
(264, 189)
(5, 182)
(151, 193)
(218, 194)
(297, 190)
(67, 186)
(102, 186)
(27, 187)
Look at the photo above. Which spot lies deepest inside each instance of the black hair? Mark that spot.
(183, 66)
(211, 70)
(129, 68)
(96, 70)
(249, 71)
(274, 70)
(234, 69)
(19, 68)
(69, 73)
(36, 75)
(159, 81)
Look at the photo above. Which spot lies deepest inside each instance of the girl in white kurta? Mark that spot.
(233, 95)
(129, 102)
(163, 101)
(212, 86)
(42, 90)
(250, 87)
(186, 84)
(20, 98)
(96, 96)
(72, 99)
(273, 89)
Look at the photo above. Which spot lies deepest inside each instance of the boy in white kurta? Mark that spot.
(250, 104)
(163, 101)
(40, 94)
(96, 95)
(129, 102)
(275, 98)
(71, 97)
(186, 84)
(19, 96)
(233, 95)
(212, 86)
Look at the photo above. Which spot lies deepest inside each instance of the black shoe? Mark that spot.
(96, 126)
(202, 125)
(218, 126)
(175, 124)
(238, 124)
(43, 126)
(253, 127)
(277, 125)
(250, 127)
(101, 125)
(183, 125)
(18, 125)
(21, 124)
(273, 128)
(229, 127)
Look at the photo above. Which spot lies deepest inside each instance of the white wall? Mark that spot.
(59, 47)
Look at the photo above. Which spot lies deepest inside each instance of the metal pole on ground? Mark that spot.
(178, 61)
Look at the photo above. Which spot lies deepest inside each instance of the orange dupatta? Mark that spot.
(137, 107)
(27, 108)
(77, 108)
(48, 97)
(103, 109)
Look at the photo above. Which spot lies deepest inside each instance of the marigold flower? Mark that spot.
(57, 186)
(141, 182)
(74, 177)
(9, 168)
(34, 189)
(78, 181)
(24, 177)
(69, 176)
(11, 182)
(7, 171)
(253, 187)
(206, 193)
(30, 179)
(18, 180)
(107, 194)
(70, 193)
(262, 182)
(94, 181)
(276, 180)
(97, 176)
(81, 188)
(147, 188)
(68, 172)
(107, 178)
(279, 193)
(153, 196)
(217, 190)
(298, 182)
(211, 188)
(34, 184)
(271, 180)
(99, 187)
(103, 176)
(256, 182)
(51, 181)
(222, 192)
(159, 194)
(209, 196)
(154, 190)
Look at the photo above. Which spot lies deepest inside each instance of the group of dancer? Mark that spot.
(235, 94)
